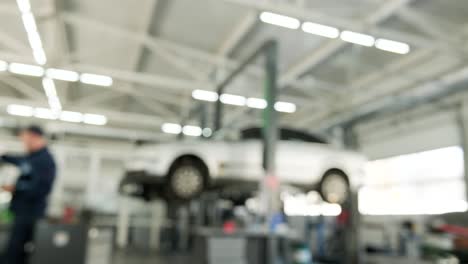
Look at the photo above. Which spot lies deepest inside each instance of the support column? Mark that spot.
(270, 131)
(58, 195)
(158, 216)
(123, 222)
(93, 175)
(350, 140)
(462, 121)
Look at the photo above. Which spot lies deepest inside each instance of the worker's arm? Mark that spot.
(18, 161)
(15, 160)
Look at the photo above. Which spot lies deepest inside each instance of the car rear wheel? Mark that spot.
(186, 180)
(334, 187)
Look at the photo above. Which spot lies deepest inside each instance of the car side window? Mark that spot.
(285, 135)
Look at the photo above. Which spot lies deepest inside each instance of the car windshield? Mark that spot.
(285, 134)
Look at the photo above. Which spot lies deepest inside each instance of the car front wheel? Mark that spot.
(186, 180)
(334, 187)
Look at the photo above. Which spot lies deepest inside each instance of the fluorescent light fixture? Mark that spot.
(45, 113)
(233, 99)
(26, 69)
(35, 41)
(358, 38)
(24, 5)
(95, 79)
(40, 56)
(320, 30)
(69, 116)
(29, 22)
(3, 65)
(257, 103)
(171, 128)
(63, 75)
(280, 20)
(392, 46)
(285, 107)
(49, 87)
(205, 95)
(207, 132)
(192, 131)
(93, 119)
(20, 110)
(55, 104)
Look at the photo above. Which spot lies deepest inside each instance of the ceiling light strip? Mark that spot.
(50, 114)
(333, 33)
(56, 74)
(30, 25)
(237, 100)
(280, 20)
(188, 130)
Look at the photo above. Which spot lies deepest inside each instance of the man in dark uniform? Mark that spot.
(30, 193)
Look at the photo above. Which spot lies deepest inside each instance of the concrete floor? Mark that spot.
(134, 257)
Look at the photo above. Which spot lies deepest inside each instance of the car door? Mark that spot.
(244, 161)
(300, 162)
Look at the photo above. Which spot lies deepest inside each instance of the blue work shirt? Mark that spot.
(38, 171)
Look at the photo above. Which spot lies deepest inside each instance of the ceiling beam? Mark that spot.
(172, 87)
(25, 89)
(392, 68)
(96, 98)
(157, 108)
(339, 22)
(331, 47)
(175, 84)
(238, 34)
(427, 25)
(57, 127)
(150, 42)
(181, 65)
(400, 95)
(149, 14)
(12, 43)
(117, 117)
(108, 132)
(316, 57)
(155, 43)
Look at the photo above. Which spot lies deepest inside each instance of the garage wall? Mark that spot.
(406, 134)
(417, 163)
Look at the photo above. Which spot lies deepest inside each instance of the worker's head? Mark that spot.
(33, 138)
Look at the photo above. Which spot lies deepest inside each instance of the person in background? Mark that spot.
(409, 242)
(30, 193)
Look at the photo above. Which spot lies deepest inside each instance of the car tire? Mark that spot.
(334, 187)
(186, 180)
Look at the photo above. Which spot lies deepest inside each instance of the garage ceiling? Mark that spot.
(159, 51)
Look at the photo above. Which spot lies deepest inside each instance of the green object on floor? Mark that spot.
(6, 217)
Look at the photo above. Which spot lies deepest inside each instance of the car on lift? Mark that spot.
(185, 169)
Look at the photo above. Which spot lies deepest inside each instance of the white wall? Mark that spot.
(409, 134)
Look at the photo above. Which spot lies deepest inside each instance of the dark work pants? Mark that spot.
(22, 233)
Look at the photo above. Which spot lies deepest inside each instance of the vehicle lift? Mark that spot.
(269, 186)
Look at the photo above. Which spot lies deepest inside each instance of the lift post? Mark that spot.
(269, 186)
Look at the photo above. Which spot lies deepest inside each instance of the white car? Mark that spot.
(183, 170)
